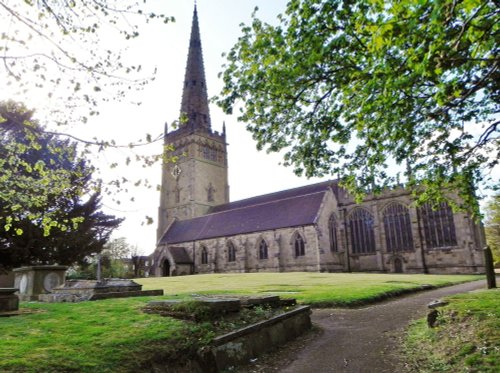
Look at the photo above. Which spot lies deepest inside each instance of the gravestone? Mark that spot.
(35, 280)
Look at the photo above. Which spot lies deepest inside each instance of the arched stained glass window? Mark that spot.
(397, 227)
(362, 234)
(263, 250)
(438, 224)
(332, 230)
(231, 252)
(300, 249)
(204, 255)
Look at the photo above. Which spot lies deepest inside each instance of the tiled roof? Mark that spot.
(180, 255)
(289, 208)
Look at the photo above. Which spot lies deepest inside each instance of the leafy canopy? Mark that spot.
(363, 89)
(49, 205)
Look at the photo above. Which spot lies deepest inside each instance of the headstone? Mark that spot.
(35, 280)
(6, 279)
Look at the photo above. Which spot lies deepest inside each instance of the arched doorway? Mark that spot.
(398, 265)
(166, 268)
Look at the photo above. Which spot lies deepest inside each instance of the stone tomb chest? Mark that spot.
(9, 301)
(35, 280)
(81, 290)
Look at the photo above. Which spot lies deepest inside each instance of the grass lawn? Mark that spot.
(466, 339)
(317, 289)
(116, 336)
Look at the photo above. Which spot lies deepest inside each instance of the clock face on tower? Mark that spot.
(176, 171)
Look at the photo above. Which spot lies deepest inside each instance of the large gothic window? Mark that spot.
(397, 227)
(231, 252)
(439, 228)
(332, 230)
(263, 250)
(362, 234)
(300, 248)
(204, 255)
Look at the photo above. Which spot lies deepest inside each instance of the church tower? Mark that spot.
(197, 180)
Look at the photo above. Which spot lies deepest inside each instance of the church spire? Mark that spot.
(194, 97)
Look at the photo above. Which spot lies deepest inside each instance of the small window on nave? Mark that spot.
(231, 252)
(299, 245)
(204, 255)
(362, 233)
(397, 228)
(438, 224)
(263, 250)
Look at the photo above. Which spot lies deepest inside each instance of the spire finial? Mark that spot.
(194, 97)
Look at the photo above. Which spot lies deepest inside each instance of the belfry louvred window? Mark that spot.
(362, 233)
(438, 225)
(397, 228)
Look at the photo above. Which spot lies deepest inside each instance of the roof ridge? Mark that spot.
(262, 203)
(328, 182)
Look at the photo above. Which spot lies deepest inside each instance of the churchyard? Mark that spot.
(115, 335)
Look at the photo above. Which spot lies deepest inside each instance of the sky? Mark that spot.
(165, 47)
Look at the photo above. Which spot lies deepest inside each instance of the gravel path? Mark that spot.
(355, 340)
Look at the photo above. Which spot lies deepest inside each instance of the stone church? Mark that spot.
(313, 228)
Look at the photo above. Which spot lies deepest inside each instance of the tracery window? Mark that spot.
(397, 227)
(300, 247)
(362, 234)
(332, 230)
(263, 250)
(204, 255)
(438, 224)
(231, 252)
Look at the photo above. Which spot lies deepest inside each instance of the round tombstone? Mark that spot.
(50, 281)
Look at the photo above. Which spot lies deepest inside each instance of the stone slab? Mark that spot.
(240, 346)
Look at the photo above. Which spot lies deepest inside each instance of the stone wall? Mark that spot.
(321, 256)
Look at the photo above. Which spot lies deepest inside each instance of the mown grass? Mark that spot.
(466, 339)
(317, 289)
(116, 336)
(102, 336)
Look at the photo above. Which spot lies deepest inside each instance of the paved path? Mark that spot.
(364, 340)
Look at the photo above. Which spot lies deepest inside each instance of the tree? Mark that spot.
(492, 226)
(71, 52)
(74, 55)
(49, 205)
(362, 88)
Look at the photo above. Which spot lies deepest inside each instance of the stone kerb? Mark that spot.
(36, 280)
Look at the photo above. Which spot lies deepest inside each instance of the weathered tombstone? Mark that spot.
(35, 280)
(9, 301)
(6, 279)
(490, 268)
